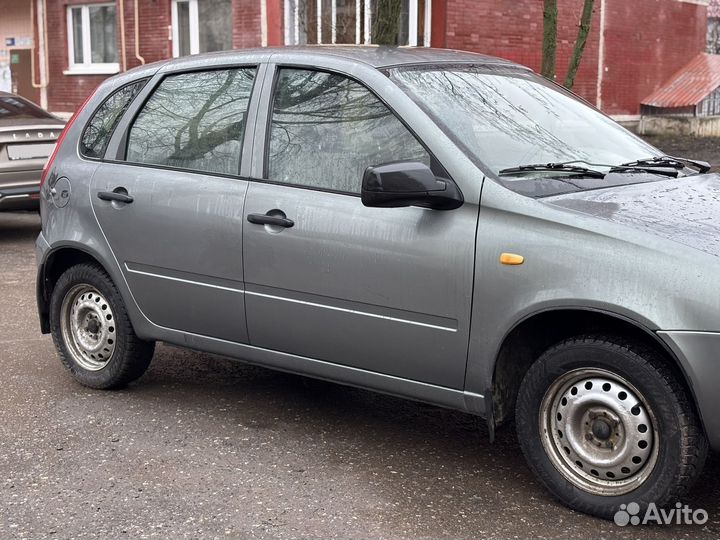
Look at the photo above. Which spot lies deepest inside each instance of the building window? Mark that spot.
(92, 40)
(201, 26)
(385, 22)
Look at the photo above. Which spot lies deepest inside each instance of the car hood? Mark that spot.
(684, 210)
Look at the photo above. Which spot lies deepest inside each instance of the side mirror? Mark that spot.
(408, 184)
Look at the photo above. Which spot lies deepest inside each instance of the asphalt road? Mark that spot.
(205, 447)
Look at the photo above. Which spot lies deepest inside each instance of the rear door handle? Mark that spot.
(119, 195)
(265, 219)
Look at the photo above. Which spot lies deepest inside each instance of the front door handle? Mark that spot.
(265, 219)
(119, 195)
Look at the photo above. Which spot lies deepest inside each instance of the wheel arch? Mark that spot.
(536, 332)
(57, 261)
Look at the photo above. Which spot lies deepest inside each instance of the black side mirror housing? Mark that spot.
(408, 184)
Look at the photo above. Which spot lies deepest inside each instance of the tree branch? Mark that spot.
(549, 46)
(579, 48)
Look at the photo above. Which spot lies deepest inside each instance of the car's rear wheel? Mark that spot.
(92, 331)
(604, 422)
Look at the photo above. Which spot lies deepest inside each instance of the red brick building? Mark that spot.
(633, 47)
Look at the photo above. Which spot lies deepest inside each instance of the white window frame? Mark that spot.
(428, 24)
(194, 27)
(292, 22)
(87, 66)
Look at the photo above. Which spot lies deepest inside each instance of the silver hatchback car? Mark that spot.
(433, 224)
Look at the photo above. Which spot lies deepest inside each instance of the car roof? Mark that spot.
(376, 56)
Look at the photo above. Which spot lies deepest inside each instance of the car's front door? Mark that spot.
(179, 242)
(384, 290)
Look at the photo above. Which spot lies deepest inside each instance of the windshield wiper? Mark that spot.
(670, 161)
(570, 166)
(560, 167)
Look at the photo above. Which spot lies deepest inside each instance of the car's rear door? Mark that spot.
(384, 290)
(179, 242)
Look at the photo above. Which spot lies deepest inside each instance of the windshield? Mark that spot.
(13, 107)
(505, 118)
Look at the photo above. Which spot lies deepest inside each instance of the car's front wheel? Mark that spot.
(92, 331)
(604, 422)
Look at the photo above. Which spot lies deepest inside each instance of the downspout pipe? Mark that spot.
(137, 34)
(42, 52)
(122, 34)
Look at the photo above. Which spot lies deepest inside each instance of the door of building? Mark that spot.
(21, 74)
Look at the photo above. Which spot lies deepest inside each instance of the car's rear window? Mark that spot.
(101, 125)
(16, 108)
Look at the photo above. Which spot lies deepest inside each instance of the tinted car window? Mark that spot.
(194, 121)
(326, 129)
(100, 128)
(12, 107)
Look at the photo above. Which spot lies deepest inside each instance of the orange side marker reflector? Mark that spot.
(511, 259)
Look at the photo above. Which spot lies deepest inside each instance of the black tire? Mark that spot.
(130, 356)
(680, 447)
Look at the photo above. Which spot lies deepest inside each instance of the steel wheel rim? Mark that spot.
(88, 327)
(599, 431)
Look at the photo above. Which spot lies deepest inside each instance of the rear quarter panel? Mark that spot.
(75, 226)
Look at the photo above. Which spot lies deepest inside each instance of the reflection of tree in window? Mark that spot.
(215, 25)
(100, 127)
(194, 121)
(486, 100)
(510, 118)
(390, 22)
(327, 129)
(345, 21)
(102, 34)
(77, 34)
(336, 21)
(183, 28)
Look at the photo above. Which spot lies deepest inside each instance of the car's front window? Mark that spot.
(326, 129)
(505, 117)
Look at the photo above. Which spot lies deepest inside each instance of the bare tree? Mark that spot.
(579, 48)
(386, 22)
(386, 16)
(549, 46)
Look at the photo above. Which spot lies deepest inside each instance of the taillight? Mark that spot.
(61, 138)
